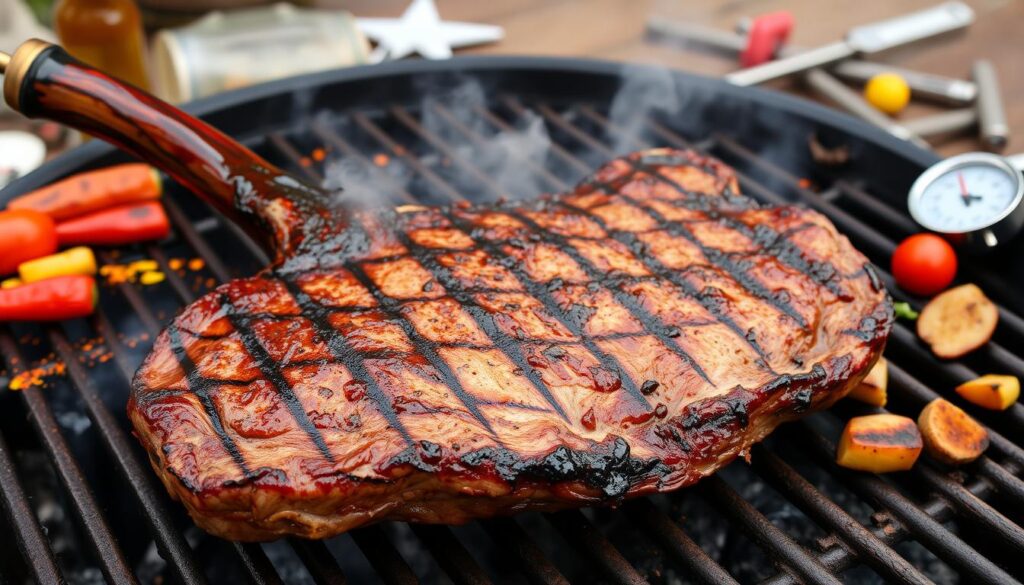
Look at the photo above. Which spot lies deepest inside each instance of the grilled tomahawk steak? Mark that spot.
(439, 364)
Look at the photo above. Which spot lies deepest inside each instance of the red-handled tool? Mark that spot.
(766, 35)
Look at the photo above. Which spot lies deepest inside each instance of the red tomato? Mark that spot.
(24, 235)
(924, 264)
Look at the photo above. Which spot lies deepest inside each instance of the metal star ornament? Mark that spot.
(420, 30)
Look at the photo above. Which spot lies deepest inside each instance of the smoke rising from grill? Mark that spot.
(452, 116)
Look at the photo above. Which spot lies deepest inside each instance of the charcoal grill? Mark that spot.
(789, 516)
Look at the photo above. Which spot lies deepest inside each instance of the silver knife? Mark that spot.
(866, 39)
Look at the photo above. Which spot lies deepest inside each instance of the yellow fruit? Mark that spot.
(992, 391)
(950, 434)
(887, 92)
(879, 443)
(872, 389)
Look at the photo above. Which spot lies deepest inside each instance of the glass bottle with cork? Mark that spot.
(106, 34)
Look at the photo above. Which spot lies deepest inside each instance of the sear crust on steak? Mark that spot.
(440, 364)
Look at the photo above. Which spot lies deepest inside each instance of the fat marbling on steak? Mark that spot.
(439, 364)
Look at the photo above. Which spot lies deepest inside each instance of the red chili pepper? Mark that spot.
(126, 224)
(53, 299)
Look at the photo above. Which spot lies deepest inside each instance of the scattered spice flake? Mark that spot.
(381, 159)
(153, 277)
(196, 264)
(319, 154)
(176, 263)
(35, 376)
(399, 150)
(804, 183)
(306, 161)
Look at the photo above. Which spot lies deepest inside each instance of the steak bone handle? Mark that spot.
(42, 81)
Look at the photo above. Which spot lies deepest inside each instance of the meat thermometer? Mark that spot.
(974, 197)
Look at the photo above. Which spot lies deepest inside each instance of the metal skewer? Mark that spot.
(991, 114)
(944, 123)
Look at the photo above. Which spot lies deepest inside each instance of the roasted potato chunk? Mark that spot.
(950, 434)
(991, 391)
(958, 321)
(872, 389)
(879, 443)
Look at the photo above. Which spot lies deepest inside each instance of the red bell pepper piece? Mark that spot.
(53, 299)
(125, 224)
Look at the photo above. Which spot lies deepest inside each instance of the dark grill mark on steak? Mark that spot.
(198, 386)
(271, 369)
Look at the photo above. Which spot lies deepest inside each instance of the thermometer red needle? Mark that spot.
(965, 195)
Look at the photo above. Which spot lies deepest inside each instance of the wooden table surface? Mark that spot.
(614, 29)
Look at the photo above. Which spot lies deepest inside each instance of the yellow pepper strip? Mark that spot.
(11, 283)
(78, 260)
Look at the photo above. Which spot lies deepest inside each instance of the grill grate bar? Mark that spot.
(925, 529)
(453, 558)
(31, 541)
(972, 508)
(511, 538)
(769, 537)
(869, 548)
(322, 565)
(112, 562)
(1006, 483)
(452, 120)
(402, 154)
(589, 542)
(377, 549)
(170, 542)
(410, 122)
(328, 136)
(195, 240)
(678, 544)
(261, 571)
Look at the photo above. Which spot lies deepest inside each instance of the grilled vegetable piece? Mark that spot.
(93, 190)
(124, 224)
(78, 260)
(11, 282)
(53, 299)
(991, 391)
(873, 388)
(958, 321)
(879, 443)
(24, 235)
(950, 434)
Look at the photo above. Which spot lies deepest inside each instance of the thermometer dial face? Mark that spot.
(965, 195)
